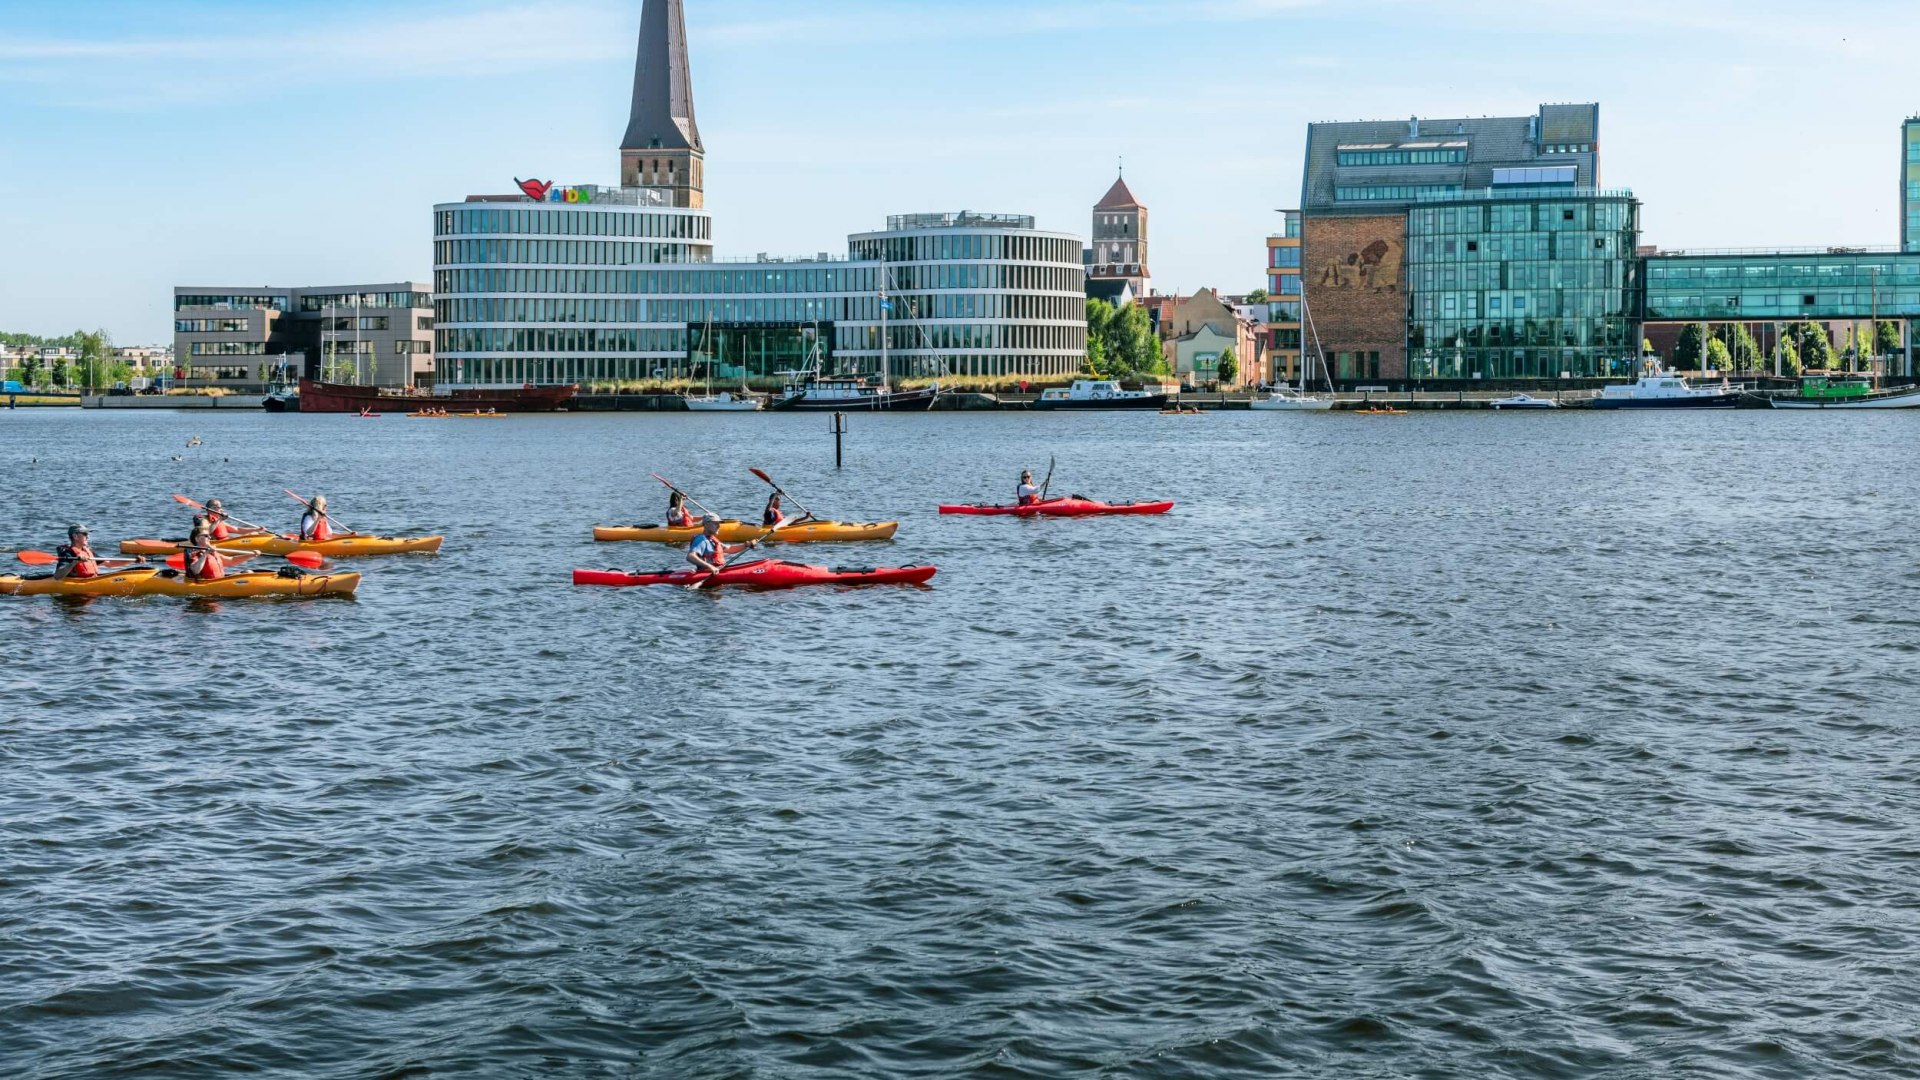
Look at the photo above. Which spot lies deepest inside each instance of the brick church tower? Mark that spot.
(662, 146)
(1120, 239)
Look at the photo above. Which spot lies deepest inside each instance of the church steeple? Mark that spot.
(662, 145)
(1120, 238)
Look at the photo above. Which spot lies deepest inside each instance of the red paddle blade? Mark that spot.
(184, 501)
(762, 475)
(178, 562)
(38, 558)
(309, 559)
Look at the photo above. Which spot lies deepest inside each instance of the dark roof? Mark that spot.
(662, 117)
(1118, 197)
(1491, 142)
(1112, 290)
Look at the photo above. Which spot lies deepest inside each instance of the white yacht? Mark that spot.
(1098, 394)
(1667, 391)
(1524, 401)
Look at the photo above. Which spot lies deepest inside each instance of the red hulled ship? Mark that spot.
(319, 397)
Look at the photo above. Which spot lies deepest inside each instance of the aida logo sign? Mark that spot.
(544, 191)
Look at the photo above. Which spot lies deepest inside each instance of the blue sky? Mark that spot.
(145, 145)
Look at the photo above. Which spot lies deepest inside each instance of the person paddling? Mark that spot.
(313, 524)
(221, 524)
(1026, 494)
(203, 563)
(76, 557)
(707, 552)
(773, 515)
(677, 515)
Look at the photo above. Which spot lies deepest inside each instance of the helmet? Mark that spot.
(77, 529)
(710, 522)
(216, 504)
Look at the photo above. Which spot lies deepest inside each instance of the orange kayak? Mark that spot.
(336, 548)
(124, 582)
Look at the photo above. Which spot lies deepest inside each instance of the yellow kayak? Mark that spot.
(740, 532)
(245, 585)
(127, 581)
(337, 548)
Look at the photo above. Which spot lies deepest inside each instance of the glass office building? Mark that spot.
(1910, 184)
(622, 287)
(1525, 283)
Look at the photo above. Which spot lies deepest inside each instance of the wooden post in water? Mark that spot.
(839, 429)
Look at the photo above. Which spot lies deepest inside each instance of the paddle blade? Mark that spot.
(184, 501)
(762, 475)
(38, 558)
(309, 559)
(178, 562)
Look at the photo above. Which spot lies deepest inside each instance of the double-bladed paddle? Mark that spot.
(321, 512)
(48, 558)
(782, 493)
(184, 501)
(1049, 480)
(682, 494)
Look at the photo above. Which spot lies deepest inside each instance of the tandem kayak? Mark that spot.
(155, 581)
(1067, 506)
(764, 574)
(338, 547)
(123, 582)
(740, 532)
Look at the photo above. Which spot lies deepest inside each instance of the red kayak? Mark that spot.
(1067, 506)
(764, 574)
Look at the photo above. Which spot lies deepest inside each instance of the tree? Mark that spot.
(1646, 346)
(95, 348)
(1120, 342)
(1718, 357)
(1814, 347)
(1743, 351)
(1229, 370)
(1257, 296)
(1789, 355)
(1099, 325)
(1687, 354)
(62, 377)
(1886, 338)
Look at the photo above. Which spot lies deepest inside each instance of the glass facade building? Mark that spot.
(1910, 184)
(1523, 284)
(627, 290)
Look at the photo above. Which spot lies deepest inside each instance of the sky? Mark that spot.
(146, 144)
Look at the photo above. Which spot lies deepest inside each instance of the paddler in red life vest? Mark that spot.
(203, 562)
(76, 557)
(677, 516)
(773, 515)
(707, 552)
(1026, 494)
(313, 523)
(218, 522)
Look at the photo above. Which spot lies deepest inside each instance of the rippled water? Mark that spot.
(1450, 745)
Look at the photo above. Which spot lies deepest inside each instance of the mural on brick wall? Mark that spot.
(1374, 267)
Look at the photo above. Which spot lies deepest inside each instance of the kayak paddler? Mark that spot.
(218, 521)
(706, 552)
(203, 563)
(76, 557)
(677, 516)
(313, 523)
(1026, 494)
(772, 516)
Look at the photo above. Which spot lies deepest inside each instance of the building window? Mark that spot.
(1392, 192)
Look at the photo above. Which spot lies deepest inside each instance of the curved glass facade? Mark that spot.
(1523, 286)
(557, 293)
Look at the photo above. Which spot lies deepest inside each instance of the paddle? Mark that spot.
(682, 494)
(778, 491)
(1049, 480)
(48, 558)
(322, 513)
(184, 501)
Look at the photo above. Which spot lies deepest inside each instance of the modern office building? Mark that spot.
(1910, 184)
(1362, 178)
(1283, 327)
(237, 337)
(1510, 283)
(617, 285)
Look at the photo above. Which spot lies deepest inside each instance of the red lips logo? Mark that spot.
(535, 189)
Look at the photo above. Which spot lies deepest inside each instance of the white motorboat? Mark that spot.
(1098, 394)
(1291, 401)
(1667, 391)
(722, 402)
(1524, 401)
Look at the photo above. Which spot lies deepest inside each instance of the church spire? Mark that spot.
(662, 145)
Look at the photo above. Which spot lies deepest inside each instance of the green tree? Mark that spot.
(1886, 338)
(31, 373)
(1126, 347)
(1229, 370)
(1100, 316)
(1815, 348)
(1257, 296)
(96, 348)
(1789, 355)
(1690, 350)
(1719, 357)
(1743, 351)
(62, 375)
(1646, 346)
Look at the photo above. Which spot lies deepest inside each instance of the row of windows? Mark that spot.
(230, 301)
(1593, 274)
(1913, 153)
(539, 221)
(566, 252)
(1883, 271)
(968, 245)
(1593, 362)
(349, 348)
(1616, 333)
(1284, 256)
(1860, 303)
(908, 338)
(1392, 192)
(989, 276)
(209, 326)
(852, 279)
(326, 301)
(589, 370)
(1548, 304)
(345, 325)
(228, 348)
(1451, 156)
(1567, 148)
(1495, 250)
(1600, 215)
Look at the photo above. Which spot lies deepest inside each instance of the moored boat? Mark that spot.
(1523, 401)
(741, 532)
(1099, 394)
(854, 392)
(337, 397)
(762, 574)
(1825, 390)
(1064, 506)
(1667, 391)
(724, 401)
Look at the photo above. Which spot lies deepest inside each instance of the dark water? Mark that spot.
(1432, 746)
